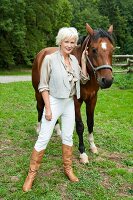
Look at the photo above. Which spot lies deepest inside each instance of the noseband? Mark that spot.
(95, 69)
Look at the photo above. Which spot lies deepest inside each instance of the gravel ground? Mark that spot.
(10, 79)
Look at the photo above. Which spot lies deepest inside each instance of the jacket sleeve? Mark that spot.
(45, 74)
(83, 78)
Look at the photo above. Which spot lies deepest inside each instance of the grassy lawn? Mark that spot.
(108, 176)
(16, 71)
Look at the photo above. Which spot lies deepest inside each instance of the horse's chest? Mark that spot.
(87, 92)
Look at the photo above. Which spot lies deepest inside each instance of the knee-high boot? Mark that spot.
(35, 162)
(67, 162)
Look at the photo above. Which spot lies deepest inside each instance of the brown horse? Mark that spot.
(99, 45)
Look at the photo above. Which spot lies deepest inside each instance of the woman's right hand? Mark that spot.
(48, 114)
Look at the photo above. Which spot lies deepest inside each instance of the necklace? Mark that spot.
(67, 63)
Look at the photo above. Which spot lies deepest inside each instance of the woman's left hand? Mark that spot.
(83, 57)
(84, 62)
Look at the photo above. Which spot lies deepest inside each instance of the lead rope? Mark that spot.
(94, 70)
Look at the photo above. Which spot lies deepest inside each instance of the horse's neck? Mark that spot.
(77, 53)
(92, 83)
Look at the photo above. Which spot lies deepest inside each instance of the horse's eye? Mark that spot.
(94, 50)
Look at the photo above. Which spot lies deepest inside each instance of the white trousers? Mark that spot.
(63, 108)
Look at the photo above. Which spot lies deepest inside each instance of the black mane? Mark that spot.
(97, 34)
(102, 33)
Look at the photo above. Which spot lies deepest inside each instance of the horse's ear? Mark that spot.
(89, 29)
(110, 30)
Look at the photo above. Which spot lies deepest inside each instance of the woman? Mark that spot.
(59, 82)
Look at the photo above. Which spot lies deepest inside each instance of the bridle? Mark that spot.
(95, 69)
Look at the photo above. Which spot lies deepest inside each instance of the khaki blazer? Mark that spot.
(57, 82)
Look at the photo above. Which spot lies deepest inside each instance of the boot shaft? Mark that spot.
(35, 162)
(36, 158)
(67, 162)
(67, 155)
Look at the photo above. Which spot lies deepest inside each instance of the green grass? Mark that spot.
(108, 176)
(20, 70)
(124, 80)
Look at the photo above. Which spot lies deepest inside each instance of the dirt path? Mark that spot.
(10, 79)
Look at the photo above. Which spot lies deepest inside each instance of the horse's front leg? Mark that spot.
(90, 107)
(80, 131)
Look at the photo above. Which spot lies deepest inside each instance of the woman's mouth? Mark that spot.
(69, 49)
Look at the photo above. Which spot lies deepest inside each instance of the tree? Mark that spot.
(86, 11)
(120, 15)
(27, 27)
(6, 27)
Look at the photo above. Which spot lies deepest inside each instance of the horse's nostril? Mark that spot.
(103, 80)
(106, 83)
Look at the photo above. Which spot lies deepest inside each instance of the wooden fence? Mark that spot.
(124, 63)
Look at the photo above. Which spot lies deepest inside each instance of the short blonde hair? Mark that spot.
(66, 32)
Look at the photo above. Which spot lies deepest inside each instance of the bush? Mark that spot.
(124, 81)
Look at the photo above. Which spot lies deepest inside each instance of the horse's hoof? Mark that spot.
(94, 150)
(84, 158)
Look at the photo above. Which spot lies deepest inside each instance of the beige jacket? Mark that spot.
(54, 76)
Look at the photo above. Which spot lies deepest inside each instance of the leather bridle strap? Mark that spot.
(95, 69)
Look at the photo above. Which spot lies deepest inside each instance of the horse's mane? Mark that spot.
(102, 33)
(97, 34)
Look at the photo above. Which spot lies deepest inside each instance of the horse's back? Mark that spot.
(36, 67)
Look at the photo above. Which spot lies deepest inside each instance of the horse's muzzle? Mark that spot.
(105, 82)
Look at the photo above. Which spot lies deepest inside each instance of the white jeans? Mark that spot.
(63, 108)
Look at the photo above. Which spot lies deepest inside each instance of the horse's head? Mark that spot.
(99, 45)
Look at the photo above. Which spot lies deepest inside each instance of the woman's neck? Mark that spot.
(65, 55)
(66, 59)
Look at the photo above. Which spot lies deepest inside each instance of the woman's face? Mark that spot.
(67, 45)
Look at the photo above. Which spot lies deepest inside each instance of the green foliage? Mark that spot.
(119, 14)
(61, 17)
(124, 81)
(85, 11)
(28, 26)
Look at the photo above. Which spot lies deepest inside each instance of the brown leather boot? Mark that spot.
(67, 161)
(35, 162)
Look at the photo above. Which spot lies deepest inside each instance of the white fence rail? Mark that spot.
(123, 61)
